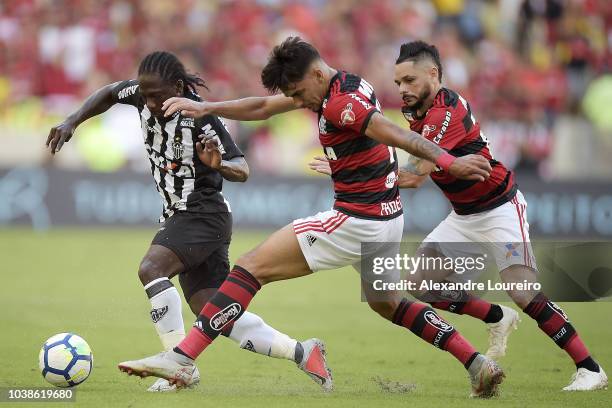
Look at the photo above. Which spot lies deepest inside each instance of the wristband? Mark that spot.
(445, 160)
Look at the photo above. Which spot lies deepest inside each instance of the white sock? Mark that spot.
(252, 333)
(166, 312)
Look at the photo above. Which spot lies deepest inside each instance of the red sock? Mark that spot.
(464, 303)
(459, 347)
(423, 321)
(225, 307)
(553, 321)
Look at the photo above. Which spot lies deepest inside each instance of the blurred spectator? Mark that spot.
(523, 64)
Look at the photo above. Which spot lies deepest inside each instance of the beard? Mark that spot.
(420, 100)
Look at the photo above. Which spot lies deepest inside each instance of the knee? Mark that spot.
(255, 267)
(384, 309)
(148, 271)
(521, 299)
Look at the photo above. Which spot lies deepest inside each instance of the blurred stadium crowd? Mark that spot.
(537, 72)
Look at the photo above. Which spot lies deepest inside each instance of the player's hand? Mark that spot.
(320, 165)
(187, 107)
(208, 152)
(471, 167)
(60, 134)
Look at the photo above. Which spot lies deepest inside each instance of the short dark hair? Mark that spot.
(419, 50)
(170, 69)
(288, 63)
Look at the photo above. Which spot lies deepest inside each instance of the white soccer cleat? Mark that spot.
(500, 331)
(486, 381)
(163, 385)
(585, 380)
(314, 363)
(175, 368)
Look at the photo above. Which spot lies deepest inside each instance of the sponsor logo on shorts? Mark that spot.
(157, 314)
(511, 250)
(310, 239)
(432, 318)
(223, 317)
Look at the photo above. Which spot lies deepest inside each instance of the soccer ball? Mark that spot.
(65, 360)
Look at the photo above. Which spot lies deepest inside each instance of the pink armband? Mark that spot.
(445, 160)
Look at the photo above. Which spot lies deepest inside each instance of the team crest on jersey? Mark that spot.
(347, 117)
(427, 129)
(178, 149)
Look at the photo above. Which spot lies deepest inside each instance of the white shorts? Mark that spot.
(332, 239)
(502, 232)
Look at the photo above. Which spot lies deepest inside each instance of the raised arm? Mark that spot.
(470, 167)
(252, 108)
(98, 102)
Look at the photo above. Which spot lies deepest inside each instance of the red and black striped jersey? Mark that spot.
(364, 171)
(450, 124)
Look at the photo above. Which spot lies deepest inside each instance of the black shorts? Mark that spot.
(201, 241)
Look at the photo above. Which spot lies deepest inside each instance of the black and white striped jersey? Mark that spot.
(182, 180)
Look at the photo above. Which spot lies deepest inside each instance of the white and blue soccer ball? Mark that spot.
(65, 360)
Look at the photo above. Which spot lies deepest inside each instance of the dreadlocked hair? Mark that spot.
(170, 69)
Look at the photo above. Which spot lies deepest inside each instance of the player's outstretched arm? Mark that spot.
(470, 167)
(407, 177)
(252, 108)
(98, 102)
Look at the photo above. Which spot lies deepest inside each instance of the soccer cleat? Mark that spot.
(500, 331)
(162, 365)
(585, 380)
(314, 363)
(486, 381)
(163, 385)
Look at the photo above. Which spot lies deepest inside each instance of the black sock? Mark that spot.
(495, 314)
(471, 360)
(179, 351)
(589, 364)
(299, 353)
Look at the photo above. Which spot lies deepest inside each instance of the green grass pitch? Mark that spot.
(84, 281)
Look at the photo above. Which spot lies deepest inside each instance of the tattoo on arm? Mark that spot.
(422, 147)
